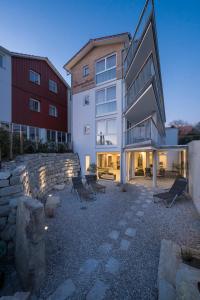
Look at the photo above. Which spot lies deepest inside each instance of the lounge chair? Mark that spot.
(79, 188)
(175, 191)
(92, 181)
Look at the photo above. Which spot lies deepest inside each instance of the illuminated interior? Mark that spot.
(108, 165)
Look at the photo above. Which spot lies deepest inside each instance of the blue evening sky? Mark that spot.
(58, 29)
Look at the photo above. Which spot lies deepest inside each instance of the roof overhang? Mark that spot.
(102, 41)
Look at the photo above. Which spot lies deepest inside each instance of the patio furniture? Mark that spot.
(92, 181)
(79, 188)
(148, 172)
(107, 175)
(175, 191)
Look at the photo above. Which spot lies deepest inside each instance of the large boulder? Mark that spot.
(30, 243)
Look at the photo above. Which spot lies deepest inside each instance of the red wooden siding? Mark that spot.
(23, 90)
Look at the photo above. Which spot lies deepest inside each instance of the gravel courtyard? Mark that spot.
(109, 248)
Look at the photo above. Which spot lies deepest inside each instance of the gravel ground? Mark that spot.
(109, 248)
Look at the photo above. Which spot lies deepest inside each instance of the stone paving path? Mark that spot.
(110, 250)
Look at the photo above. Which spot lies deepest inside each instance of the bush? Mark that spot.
(4, 143)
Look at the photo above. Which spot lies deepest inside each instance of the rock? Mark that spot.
(3, 221)
(11, 249)
(13, 202)
(3, 249)
(59, 187)
(30, 243)
(64, 291)
(18, 296)
(4, 201)
(187, 279)
(166, 290)
(4, 175)
(10, 190)
(8, 233)
(17, 171)
(14, 180)
(4, 182)
(11, 219)
(4, 210)
(53, 200)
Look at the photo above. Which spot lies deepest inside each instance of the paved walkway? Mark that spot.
(109, 249)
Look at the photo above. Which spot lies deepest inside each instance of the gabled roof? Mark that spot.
(43, 58)
(105, 40)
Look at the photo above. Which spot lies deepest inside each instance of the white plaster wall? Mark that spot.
(86, 115)
(171, 136)
(194, 172)
(5, 87)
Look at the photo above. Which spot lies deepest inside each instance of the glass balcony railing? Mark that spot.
(145, 75)
(145, 16)
(141, 132)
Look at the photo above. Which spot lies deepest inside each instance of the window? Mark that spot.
(34, 76)
(87, 129)
(87, 162)
(53, 86)
(34, 105)
(107, 132)
(1, 61)
(106, 101)
(34, 133)
(85, 71)
(106, 69)
(51, 136)
(86, 100)
(53, 111)
(61, 137)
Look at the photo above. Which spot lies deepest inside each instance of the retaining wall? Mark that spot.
(31, 175)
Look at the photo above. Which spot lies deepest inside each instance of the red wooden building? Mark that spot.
(39, 98)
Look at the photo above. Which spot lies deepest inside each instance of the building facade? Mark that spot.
(5, 85)
(38, 101)
(97, 83)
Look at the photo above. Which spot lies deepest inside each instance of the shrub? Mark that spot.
(4, 143)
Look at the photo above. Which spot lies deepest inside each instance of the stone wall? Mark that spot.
(31, 175)
(194, 172)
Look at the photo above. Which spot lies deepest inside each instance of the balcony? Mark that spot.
(147, 76)
(145, 133)
(137, 37)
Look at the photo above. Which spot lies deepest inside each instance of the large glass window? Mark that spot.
(106, 69)
(53, 111)
(107, 132)
(106, 101)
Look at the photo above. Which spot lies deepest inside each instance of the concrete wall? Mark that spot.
(5, 87)
(194, 172)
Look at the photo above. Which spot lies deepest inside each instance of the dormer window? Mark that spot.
(85, 71)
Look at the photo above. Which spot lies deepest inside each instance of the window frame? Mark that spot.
(106, 69)
(106, 101)
(84, 73)
(39, 105)
(54, 84)
(106, 120)
(56, 111)
(34, 73)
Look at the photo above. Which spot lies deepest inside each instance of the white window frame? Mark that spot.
(85, 74)
(105, 102)
(106, 69)
(86, 98)
(36, 101)
(51, 109)
(53, 86)
(35, 75)
(106, 133)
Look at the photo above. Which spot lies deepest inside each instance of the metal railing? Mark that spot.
(144, 18)
(141, 132)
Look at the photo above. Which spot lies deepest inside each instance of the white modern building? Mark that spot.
(118, 113)
(5, 85)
